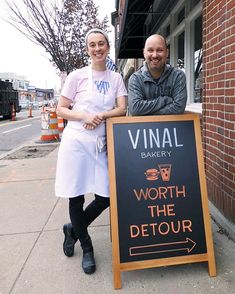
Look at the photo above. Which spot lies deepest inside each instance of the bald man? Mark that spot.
(157, 88)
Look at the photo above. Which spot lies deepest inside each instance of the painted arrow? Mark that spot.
(187, 245)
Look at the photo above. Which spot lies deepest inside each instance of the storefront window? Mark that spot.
(180, 42)
(198, 60)
(169, 53)
(168, 30)
(181, 15)
(193, 3)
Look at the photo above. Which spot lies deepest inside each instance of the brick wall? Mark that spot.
(218, 108)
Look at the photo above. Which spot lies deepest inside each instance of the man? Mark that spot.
(157, 87)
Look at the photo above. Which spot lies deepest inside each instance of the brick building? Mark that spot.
(218, 105)
(201, 39)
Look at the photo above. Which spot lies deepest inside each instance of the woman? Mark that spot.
(96, 94)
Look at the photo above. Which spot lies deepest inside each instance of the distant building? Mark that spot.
(19, 82)
(25, 90)
(40, 95)
(44, 94)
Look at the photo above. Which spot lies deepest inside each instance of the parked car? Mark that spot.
(35, 104)
(40, 103)
(24, 103)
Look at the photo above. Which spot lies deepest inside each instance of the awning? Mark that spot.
(137, 19)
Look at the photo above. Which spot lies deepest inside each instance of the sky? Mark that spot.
(21, 56)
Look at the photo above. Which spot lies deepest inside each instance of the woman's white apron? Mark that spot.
(82, 166)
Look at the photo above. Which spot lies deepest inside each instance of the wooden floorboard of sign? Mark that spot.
(118, 266)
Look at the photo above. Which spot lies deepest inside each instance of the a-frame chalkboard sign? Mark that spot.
(159, 204)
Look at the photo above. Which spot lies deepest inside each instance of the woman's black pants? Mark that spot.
(82, 218)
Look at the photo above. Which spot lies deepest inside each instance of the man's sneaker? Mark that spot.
(69, 242)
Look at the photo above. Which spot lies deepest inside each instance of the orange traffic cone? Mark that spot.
(30, 111)
(60, 124)
(49, 127)
(13, 113)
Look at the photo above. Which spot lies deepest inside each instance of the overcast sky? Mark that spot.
(21, 56)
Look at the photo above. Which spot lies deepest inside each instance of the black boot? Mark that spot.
(69, 240)
(88, 260)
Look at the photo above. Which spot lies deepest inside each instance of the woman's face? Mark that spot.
(97, 47)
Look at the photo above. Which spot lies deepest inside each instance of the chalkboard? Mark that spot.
(159, 206)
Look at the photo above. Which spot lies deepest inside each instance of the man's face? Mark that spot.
(155, 54)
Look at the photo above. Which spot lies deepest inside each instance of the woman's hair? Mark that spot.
(97, 30)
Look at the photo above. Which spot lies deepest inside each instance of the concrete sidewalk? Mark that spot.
(31, 237)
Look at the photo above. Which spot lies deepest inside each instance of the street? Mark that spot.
(15, 133)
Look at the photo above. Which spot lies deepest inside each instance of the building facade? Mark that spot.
(25, 91)
(200, 36)
(218, 105)
(19, 83)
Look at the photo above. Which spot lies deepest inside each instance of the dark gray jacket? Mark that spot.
(166, 96)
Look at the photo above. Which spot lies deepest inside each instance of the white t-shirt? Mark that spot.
(106, 84)
(103, 82)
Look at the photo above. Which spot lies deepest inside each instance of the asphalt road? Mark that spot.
(14, 133)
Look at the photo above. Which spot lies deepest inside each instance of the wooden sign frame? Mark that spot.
(119, 266)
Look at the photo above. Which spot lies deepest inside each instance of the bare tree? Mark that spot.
(57, 25)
